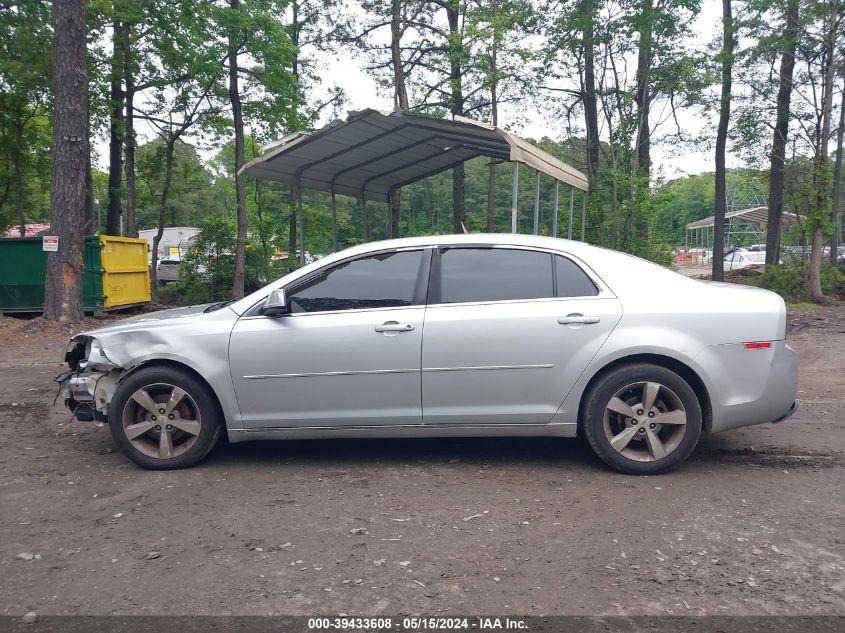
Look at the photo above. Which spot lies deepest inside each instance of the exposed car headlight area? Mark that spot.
(89, 383)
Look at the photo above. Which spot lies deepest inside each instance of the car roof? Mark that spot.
(496, 239)
(615, 269)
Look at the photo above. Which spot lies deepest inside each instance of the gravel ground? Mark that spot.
(752, 524)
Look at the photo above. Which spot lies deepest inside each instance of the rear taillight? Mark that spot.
(759, 345)
(752, 267)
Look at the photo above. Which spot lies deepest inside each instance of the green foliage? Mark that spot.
(191, 195)
(268, 89)
(206, 271)
(790, 280)
(25, 111)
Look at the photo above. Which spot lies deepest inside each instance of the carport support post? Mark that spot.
(334, 221)
(569, 226)
(298, 195)
(554, 215)
(571, 208)
(514, 195)
(366, 218)
(537, 205)
(583, 215)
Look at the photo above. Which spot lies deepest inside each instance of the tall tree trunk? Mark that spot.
(721, 141)
(400, 94)
(776, 174)
(129, 132)
(494, 113)
(641, 161)
(115, 130)
(820, 177)
(837, 184)
(643, 142)
(397, 30)
(591, 117)
(295, 29)
(63, 281)
(240, 186)
(456, 53)
(162, 209)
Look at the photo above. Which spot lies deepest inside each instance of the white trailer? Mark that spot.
(170, 239)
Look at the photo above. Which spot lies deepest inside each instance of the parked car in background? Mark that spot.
(523, 335)
(746, 260)
(168, 266)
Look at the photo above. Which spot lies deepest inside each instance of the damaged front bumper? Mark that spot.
(89, 385)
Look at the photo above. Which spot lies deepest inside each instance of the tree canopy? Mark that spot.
(185, 91)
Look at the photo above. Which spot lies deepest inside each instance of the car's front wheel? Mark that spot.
(642, 419)
(163, 418)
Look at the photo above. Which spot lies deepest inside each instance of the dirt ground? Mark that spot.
(752, 524)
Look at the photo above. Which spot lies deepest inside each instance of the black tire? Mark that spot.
(603, 391)
(200, 401)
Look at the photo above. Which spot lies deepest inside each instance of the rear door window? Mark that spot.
(494, 274)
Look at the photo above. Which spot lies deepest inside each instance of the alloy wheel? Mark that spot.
(645, 421)
(161, 420)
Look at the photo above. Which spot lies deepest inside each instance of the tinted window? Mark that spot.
(380, 281)
(494, 274)
(571, 280)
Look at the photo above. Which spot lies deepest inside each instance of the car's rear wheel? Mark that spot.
(642, 419)
(163, 418)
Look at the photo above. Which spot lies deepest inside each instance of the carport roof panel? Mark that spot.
(754, 215)
(373, 152)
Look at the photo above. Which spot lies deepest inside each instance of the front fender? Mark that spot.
(203, 348)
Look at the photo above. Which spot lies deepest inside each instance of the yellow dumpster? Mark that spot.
(126, 274)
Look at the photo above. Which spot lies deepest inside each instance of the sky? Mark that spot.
(361, 90)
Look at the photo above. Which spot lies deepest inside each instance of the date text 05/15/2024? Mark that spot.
(418, 623)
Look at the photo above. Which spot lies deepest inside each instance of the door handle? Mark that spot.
(578, 318)
(394, 326)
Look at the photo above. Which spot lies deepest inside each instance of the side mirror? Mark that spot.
(276, 304)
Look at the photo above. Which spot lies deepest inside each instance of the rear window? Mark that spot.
(571, 281)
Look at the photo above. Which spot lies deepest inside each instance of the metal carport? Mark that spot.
(753, 225)
(371, 154)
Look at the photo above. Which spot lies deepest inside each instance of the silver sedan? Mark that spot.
(461, 335)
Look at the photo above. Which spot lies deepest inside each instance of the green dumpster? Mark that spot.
(23, 266)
